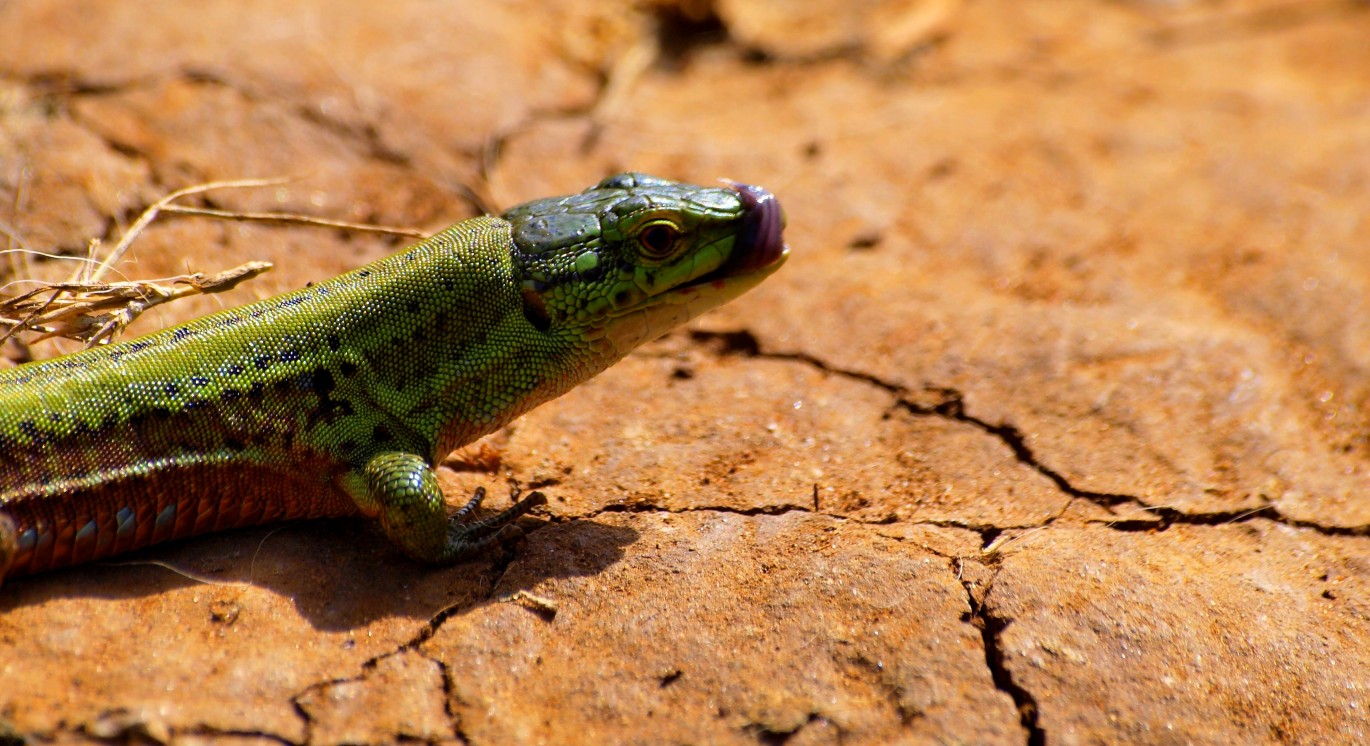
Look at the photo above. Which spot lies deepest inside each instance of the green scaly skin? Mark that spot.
(338, 399)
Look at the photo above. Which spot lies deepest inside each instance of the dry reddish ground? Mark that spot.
(1056, 428)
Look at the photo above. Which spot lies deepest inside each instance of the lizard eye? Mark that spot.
(658, 239)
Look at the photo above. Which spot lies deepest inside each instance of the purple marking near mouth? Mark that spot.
(761, 240)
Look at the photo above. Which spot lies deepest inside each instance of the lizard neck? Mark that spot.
(512, 378)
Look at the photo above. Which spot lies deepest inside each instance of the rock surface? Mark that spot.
(1056, 428)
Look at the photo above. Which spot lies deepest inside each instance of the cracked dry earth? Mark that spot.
(1055, 429)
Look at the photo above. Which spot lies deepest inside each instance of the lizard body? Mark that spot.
(339, 398)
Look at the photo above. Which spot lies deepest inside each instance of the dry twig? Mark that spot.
(93, 312)
(89, 310)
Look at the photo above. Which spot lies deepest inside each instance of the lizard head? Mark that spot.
(634, 256)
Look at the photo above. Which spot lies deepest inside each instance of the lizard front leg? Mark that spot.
(401, 490)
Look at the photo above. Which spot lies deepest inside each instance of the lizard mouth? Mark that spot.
(760, 242)
(758, 249)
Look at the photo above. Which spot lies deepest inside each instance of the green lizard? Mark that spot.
(339, 398)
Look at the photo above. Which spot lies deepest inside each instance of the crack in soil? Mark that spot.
(133, 731)
(448, 687)
(952, 407)
(211, 731)
(500, 565)
(768, 735)
(987, 532)
(54, 89)
(649, 507)
(991, 626)
(448, 695)
(60, 84)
